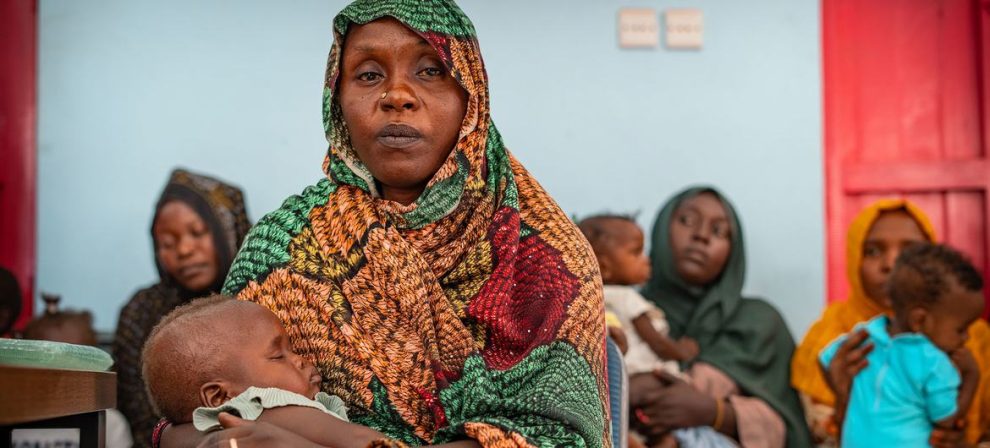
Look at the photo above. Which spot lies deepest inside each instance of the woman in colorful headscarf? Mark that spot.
(874, 241)
(739, 382)
(198, 226)
(436, 286)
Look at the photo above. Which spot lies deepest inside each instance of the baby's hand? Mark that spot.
(688, 348)
(619, 337)
(966, 363)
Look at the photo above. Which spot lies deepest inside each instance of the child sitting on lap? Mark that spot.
(919, 375)
(618, 245)
(217, 354)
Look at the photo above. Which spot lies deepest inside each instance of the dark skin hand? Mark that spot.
(949, 432)
(265, 434)
(849, 360)
(619, 337)
(666, 402)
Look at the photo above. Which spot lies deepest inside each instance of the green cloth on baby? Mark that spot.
(252, 402)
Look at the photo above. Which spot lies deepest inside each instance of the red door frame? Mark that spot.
(18, 155)
(844, 178)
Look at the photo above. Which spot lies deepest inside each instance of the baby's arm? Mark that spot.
(320, 427)
(969, 373)
(663, 346)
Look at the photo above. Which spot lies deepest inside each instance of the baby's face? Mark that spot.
(627, 262)
(948, 324)
(266, 358)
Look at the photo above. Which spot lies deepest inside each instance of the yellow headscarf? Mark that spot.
(840, 318)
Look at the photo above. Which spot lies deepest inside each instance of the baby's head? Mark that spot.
(936, 291)
(212, 349)
(618, 245)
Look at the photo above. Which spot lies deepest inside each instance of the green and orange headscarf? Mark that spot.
(841, 317)
(475, 311)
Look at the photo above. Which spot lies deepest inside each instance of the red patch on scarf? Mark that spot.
(440, 45)
(525, 300)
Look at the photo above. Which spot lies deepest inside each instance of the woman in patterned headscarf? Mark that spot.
(436, 286)
(198, 227)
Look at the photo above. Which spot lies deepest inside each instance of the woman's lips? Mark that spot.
(399, 136)
(193, 270)
(695, 256)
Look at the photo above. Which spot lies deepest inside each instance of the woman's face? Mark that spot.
(185, 246)
(889, 235)
(701, 239)
(402, 107)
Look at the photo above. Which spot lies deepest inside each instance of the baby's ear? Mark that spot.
(214, 393)
(918, 319)
(605, 266)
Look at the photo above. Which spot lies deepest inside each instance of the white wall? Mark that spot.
(128, 89)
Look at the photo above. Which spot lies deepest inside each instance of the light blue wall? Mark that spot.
(129, 89)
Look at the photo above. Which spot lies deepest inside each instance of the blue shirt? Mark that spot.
(908, 385)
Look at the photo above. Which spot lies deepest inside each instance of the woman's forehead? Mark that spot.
(895, 224)
(706, 203)
(382, 33)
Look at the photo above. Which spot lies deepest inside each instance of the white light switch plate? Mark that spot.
(639, 28)
(684, 28)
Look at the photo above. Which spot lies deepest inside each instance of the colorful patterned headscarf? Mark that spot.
(220, 206)
(475, 311)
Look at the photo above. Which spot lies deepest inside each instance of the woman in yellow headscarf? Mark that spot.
(874, 241)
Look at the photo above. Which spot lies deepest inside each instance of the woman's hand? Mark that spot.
(948, 438)
(248, 434)
(849, 360)
(676, 405)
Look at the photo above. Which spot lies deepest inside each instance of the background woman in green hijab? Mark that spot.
(739, 382)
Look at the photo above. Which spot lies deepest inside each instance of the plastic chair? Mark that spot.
(618, 391)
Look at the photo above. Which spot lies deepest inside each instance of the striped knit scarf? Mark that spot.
(474, 312)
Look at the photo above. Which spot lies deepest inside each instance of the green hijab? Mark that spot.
(744, 338)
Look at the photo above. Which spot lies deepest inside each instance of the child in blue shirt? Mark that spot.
(918, 375)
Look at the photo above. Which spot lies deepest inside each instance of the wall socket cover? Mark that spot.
(684, 28)
(639, 28)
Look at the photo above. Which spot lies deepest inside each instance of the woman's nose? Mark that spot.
(185, 246)
(400, 96)
(702, 233)
(889, 259)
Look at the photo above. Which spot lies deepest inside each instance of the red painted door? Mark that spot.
(907, 114)
(18, 27)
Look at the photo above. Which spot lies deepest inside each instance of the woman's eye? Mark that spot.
(871, 251)
(369, 76)
(720, 231)
(431, 72)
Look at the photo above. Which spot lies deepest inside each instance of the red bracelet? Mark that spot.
(156, 434)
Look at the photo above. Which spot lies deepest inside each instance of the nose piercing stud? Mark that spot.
(384, 94)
